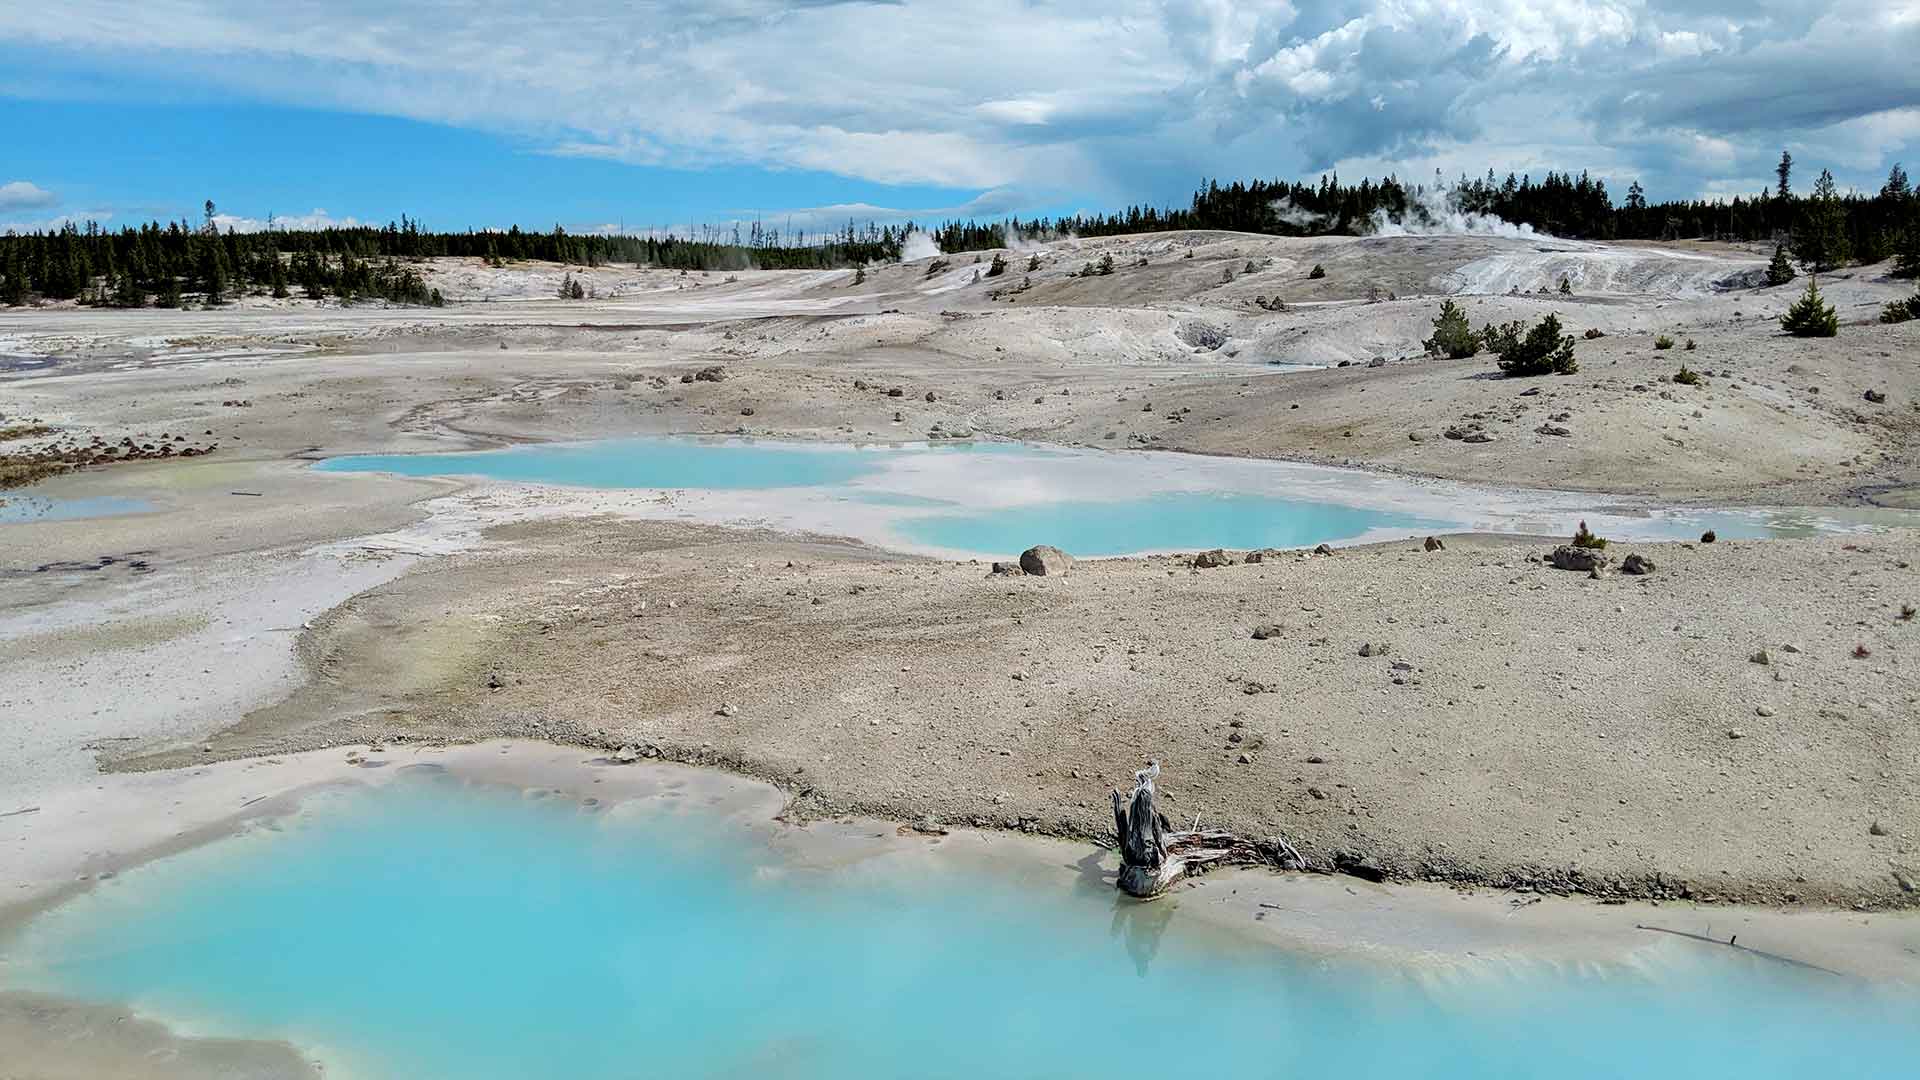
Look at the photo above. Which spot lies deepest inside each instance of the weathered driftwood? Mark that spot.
(1154, 856)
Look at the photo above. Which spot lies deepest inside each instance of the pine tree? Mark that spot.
(1810, 316)
(1784, 171)
(1780, 270)
(127, 292)
(1820, 237)
(1453, 336)
(277, 277)
(169, 296)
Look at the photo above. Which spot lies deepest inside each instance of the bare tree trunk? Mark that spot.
(1154, 857)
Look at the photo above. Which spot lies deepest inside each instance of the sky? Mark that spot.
(638, 114)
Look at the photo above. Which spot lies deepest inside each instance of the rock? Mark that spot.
(1378, 361)
(494, 681)
(1246, 759)
(1261, 554)
(929, 397)
(1636, 564)
(1433, 543)
(896, 392)
(627, 754)
(1323, 549)
(1736, 733)
(748, 411)
(714, 373)
(1252, 686)
(1416, 436)
(726, 710)
(1708, 537)
(1876, 829)
(1400, 665)
(1760, 657)
(1763, 711)
(1006, 569)
(1570, 557)
(1044, 559)
(1877, 397)
(1551, 429)
(930, 826)
(1208, 560)
(1360, 866)
(1268, 631)
(1371, 649)
(1479, 437)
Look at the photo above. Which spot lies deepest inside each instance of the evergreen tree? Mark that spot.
(1453, 336)
(13, 290)
(213, 274)
(1896, 186)
(127, 292)
(169, 294)
(277, 277)
(1780, 270)
(1784, 171)
(1810, 316)
(1544, 351)
(1820, 238)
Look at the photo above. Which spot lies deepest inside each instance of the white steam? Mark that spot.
(1433, 213)
(1298, 216)
(918, 245)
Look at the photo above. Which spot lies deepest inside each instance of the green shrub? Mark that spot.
(1317, 272)
(1901, 310)
(1780, 270)
(1692, 344)
(1544, 351)
(1452, 336)
(1566, 287)
(1810, 316)
(860, 276)
(1663, 342)
(1687, 376)
(998, 266)
(1106, 264)
(1583, 538)
(1033, 263)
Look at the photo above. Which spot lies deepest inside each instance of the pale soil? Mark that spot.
(1493, 768)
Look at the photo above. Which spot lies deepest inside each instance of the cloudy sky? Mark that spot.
(660, 112)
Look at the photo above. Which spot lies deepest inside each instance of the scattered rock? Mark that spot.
(748, 411)
(1006, 569)
(1044, 559)
(1323, 549)
(1763, 711)
(1479, 437)
(726, 710)
(1371, 649)
(1570, 557)
(1636, 564)
(714, 373)
(1736, 733)
(1208, 560)
(1708, 537)
(1552, 429)
(930, 397)
(1876, 829)
(1760, 657)
(1433, 543)
(494, 681)
(1877, 397)
(1267, 631)
(1360, 866)
(627, 754)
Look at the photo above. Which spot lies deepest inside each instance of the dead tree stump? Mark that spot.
(1154, 856)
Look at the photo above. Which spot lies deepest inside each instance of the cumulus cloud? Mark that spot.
(25, 195)
(1113, 101)
(316, 219)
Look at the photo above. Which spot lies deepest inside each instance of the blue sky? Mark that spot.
(590, 113)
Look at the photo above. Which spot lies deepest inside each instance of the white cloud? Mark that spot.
(25, 195)
(1112, 101)
(317, 219)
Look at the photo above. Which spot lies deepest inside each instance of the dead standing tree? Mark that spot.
(1154, 856)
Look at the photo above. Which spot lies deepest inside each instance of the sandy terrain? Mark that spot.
(1553, 731)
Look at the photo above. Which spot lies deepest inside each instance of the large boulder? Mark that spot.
(1570, 557)
(1045, 559)
(1208, 560)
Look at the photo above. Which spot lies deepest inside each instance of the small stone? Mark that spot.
(1267, 631)
(1736, 733)
(1371, 649)
(1433, 543)
(1636, 565)
(1246, 759)
(1760, 657)
(1574, 557)
(1763, 711)
(1876, 829)
(1877, 397)
(726, 710)
(1323, 549)
(1208, 560)
(1708, 537)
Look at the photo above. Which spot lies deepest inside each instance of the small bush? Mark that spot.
(860, 276)
(937, 266)
(1106, 264)
(1566, 287)
(1687, 376)
(1251, 268)
(1663, 342)
(1810, 316)
(1594, 332)
(998, 266)
(1780, 270)
(1452, 336)
(1226, 275)
(1033, 263)
(1692, 344)
(1583, 538)
(1544, 351)
(1317, 272)
(1901, 310)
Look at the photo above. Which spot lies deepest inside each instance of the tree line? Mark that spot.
(178, 262)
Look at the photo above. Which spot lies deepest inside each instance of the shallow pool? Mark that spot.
(19, 506)
(434, 928)
(996, 498)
